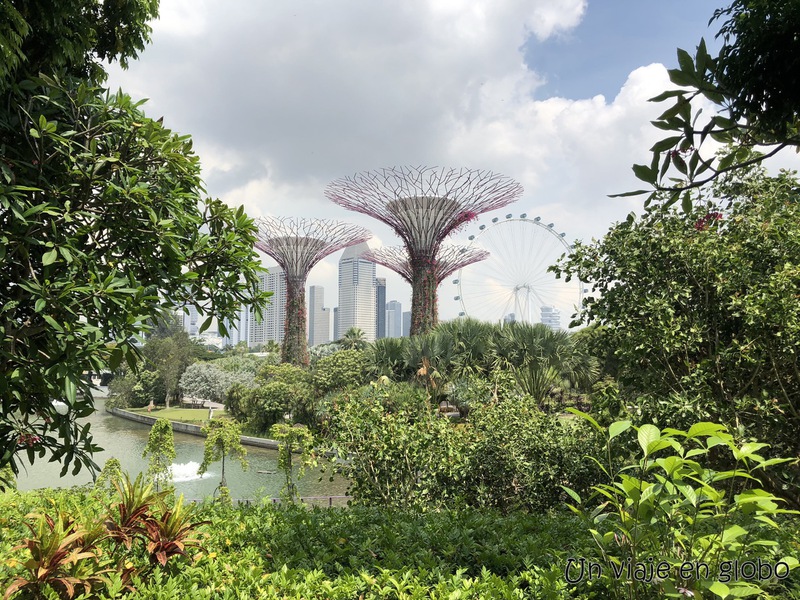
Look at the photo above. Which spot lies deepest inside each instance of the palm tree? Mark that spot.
(472, 345)
(543, 359)
(385, 357)
(353, 339)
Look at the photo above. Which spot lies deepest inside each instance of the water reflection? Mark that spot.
(126, 440)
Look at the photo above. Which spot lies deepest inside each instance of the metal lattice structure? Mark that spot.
(297, 245)
(449, 259)
(423, 205)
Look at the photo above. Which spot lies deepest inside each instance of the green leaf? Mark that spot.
(206, 324)
(585, 416)
(685, 61)
(720, 589)
(704, 428)
(647, 435)
(666, 143)
(626, 194)
(645, 173)
(686, 203)
(49, 257)
(617, 428)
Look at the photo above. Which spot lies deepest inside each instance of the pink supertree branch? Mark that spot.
(297, 245)
(423, 205)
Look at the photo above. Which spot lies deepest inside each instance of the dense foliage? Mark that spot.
(700, 309)
(103, 221)
(264, 551)
(669, 508)
(160, 452)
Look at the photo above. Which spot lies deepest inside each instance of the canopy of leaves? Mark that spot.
(755, 87)
(704, 305)
(103, 225)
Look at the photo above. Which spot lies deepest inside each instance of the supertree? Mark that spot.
(297, 245)
(449, 260)
(423, 205)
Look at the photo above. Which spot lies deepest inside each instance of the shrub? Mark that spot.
(339, 371)
(519, 457)
(396, 450)
(667, 509)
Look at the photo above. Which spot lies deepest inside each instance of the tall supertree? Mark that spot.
(297, 245)
(449, 260)
(423, 205)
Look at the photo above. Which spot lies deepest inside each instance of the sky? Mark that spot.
(283, 97)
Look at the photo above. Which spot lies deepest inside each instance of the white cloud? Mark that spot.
(283, 97)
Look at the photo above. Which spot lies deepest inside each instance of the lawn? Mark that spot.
(182, 415)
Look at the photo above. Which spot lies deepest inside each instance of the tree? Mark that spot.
(293, 439)
(207, 381)
(161, 449)
(702, 306)
(169, 357)
(754, 84)
(103, 222)
(338, 371)
(223, 438)
(542, 359)
(353, 339)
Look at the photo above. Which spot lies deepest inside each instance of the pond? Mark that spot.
(126, 440)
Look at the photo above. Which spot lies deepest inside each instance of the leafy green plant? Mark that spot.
(161, 449)
(293, 439)
(171, 533)
(110, 475)
(517, 457)
(667, 524)
(223, 438)
(394, 447)
(339, 371)
(128, 516)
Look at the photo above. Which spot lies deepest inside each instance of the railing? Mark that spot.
(329, 501)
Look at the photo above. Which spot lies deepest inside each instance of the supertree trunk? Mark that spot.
(295, 347)
(424, 308)
(297, 245)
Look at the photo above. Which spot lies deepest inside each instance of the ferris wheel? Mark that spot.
(513, 283)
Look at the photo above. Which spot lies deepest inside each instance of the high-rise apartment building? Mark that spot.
(238, 329)
(271, 326)
(394, 319)
(319, 317)
(336, 333)
(551, 317)
(191, 321)
(357, 292)
(380, 308)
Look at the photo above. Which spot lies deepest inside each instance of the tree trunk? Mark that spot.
(424, 310)
(295, 347)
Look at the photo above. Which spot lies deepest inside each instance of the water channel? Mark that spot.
(126, 440)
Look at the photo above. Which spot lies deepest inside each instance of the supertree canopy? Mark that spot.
(423, 205)
(449, 259)
(297, 245)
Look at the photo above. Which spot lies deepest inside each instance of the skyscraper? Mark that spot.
(336, 333)
(319, 317)
(407, 323)
(271, 327)
(380, 308)
(238, 329)
(551, 317)
(394, 319)
(357, 292)
(191, 321)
